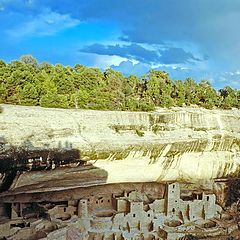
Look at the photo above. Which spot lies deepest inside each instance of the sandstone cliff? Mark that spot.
(165, 145)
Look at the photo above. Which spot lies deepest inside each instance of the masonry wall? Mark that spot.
(83, 208)
(204, 208)
(210, 207)
(5, 210)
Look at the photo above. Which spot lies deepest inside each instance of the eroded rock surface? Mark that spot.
(166, 145)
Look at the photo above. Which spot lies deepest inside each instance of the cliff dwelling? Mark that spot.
(122, 214)
(125, 178)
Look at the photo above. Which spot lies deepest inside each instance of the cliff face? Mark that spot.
(165, 145)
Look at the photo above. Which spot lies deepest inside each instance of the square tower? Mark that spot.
(173, 198)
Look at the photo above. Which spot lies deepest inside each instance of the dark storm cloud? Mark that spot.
(211, 25)
(133, 51)
(176, 55)
(141, 54)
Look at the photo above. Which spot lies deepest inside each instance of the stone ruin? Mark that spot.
(130, 215)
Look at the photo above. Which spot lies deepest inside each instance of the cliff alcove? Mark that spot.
(109, 174)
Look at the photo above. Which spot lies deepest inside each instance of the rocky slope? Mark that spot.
(165, 145)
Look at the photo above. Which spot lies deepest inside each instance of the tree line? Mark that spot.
(25, 82)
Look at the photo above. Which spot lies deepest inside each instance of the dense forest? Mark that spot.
(25, 82)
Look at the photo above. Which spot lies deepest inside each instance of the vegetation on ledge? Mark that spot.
(25, 82)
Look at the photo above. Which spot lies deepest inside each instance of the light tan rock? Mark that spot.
(59, 234)
(177, 144)
(25, 234)
(74, 233)
(46, 226)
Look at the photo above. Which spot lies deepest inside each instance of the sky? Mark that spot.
(187, 38)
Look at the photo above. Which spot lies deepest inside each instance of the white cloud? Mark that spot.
(46, 23)
(105, 61)
(128, 68)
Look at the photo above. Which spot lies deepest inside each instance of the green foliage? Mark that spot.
(160, 88)
(116, 128)
(29, 59)
(139, 133)
(229, 98)
(146, 105)
(119, 128)
(207, 96)
(26, 82)
(54, 101)
(138, 129)
(29, 94)
(156, 128)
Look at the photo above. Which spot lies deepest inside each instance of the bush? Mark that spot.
(54, 101)
(146, 106)
(139, 133)
(25, 82)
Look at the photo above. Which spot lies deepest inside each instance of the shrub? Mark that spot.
(139, 132)
(54, 101)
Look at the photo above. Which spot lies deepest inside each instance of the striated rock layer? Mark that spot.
(178, 144)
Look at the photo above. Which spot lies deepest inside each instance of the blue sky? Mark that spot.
(187, 38)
